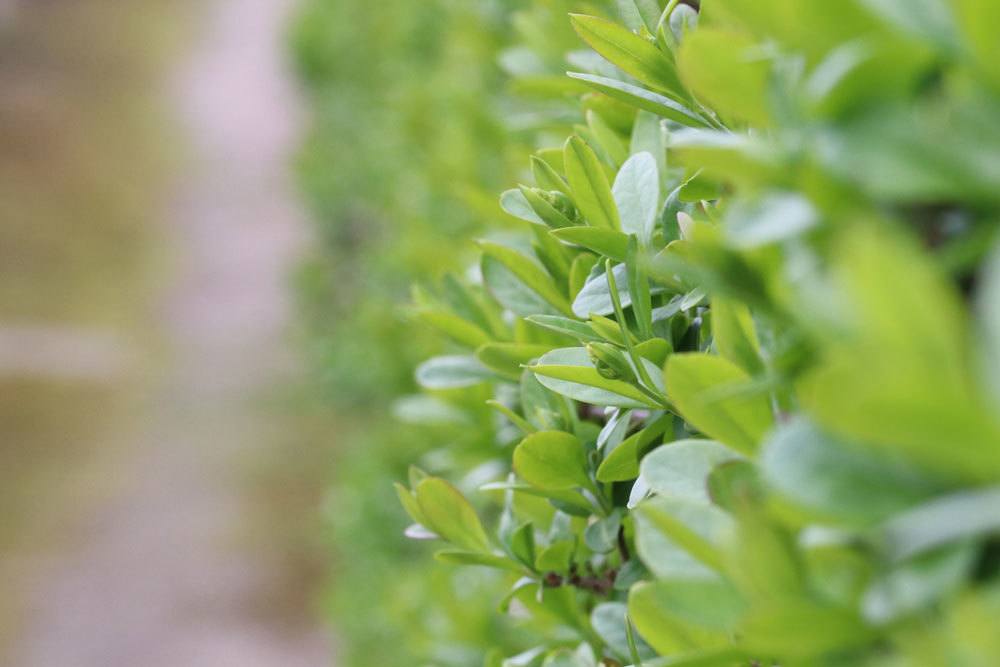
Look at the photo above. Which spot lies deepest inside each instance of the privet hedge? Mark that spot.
(743, 353)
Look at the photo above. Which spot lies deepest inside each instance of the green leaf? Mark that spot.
(896, 373)
(506, 359)
(570, 502)
(918, 583)
(612, 144)
(930, 20)
(720, 68)
(607, 242)
(522, 544)
(681, 538)
(562, 658)
(642, 99)
(556, 557)
(450, 515)
(510, 291)
(528, 272)
(552, 460)
(459, 557)
(638, 289)
(680, 469)
(712, 604)
(963, 515)
(457, 328)
(637, 196)
(776, 218)
(711, 393)
(595, 297)
(978, 19)
(633, 54)
(734, 334)
(569, 371)
(580, 270)
(564, 325)
(654, 612)
(608, 619)
(601, 536)
(451, 372)
(837, 480)
(988, 307)
(589, 184)
(796, 630)
(548, 213)
(638, 14)
(546, 177)
(516, 204)
(649, 136)
(409, 503)
(655, 349)
(622, 462)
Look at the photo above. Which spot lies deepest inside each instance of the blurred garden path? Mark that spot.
(181, 562)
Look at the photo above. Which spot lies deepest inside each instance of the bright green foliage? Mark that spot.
(740, 341)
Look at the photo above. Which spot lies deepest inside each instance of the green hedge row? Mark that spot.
(730, 394)
(409, 143)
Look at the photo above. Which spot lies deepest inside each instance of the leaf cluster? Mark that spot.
(742, 347)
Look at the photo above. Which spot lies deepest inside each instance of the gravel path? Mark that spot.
(162, 575)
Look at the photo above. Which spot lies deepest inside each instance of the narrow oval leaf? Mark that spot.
(607, 242)
(569, 371)
(510, 291)
(564, 325)
(516, 204)
(506, 359)
(529, 273)
(631, 53)
(595, 296)
(450, 515)
(552, 460)
(459, 557)
(589, 184)
(734, 334)
(641, 98)
(622, 462)
(545, 211)
(451, 372)
(637, 195)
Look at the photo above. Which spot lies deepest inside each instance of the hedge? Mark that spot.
(741, 353)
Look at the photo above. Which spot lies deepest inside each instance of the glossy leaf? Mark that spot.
(642, 99)
(631, 53)
(552, 460)
(569, 371)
